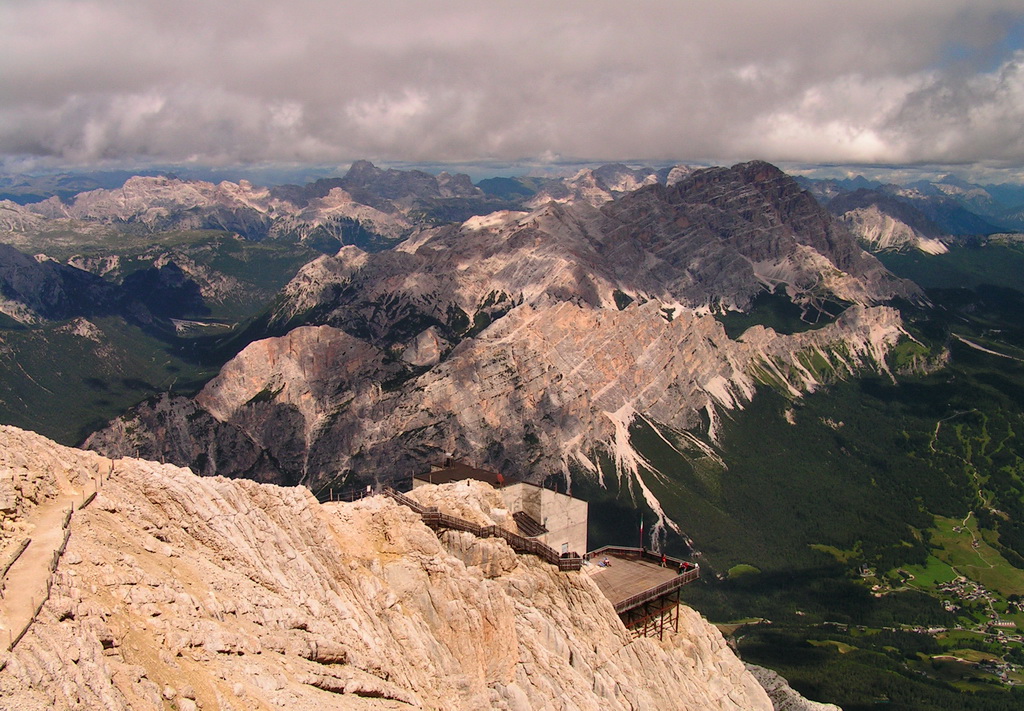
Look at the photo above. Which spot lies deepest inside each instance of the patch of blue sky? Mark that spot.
(989, 57)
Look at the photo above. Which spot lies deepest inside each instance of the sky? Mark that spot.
(101, 83)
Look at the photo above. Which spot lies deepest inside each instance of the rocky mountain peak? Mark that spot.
(534, 343)
(676, 173)
(362, 172)
(365, 179)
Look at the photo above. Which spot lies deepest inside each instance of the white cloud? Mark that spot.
(319, 80)
(958, 119)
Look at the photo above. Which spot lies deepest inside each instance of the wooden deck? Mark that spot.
(643, 593)
(628, 577)
(636, 577)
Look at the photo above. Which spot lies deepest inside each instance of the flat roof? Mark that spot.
(461, 472)
(626, 577)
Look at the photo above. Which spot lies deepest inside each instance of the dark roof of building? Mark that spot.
(460, 472)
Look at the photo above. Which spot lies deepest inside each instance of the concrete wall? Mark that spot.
(563, 516)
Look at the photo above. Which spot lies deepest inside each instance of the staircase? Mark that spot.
(528, 526)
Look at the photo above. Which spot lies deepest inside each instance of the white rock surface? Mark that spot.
(885, 232)
(783, 696)
(185, 592)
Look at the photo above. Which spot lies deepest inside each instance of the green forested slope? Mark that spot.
(842, 517)
(65, 379)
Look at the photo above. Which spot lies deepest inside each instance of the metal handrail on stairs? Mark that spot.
(433, 518)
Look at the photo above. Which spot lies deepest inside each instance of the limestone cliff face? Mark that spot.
(183, 592)
(265, 412)
(544, 388)
(539, 391)
(783, 696)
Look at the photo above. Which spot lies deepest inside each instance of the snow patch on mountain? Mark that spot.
(628, 463)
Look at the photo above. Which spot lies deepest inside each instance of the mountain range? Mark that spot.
(529, 342)
(714, 351)
(921, 213)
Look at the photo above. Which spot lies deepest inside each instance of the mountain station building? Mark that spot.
(557, 520)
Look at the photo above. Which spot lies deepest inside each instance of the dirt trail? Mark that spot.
(25, 585)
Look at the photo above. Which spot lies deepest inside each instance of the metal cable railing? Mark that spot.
(652, 593)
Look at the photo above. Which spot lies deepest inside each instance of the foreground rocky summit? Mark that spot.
(183, 592)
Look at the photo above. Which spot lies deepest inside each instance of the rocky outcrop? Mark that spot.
(783, 696)
(35, 477)
(264, 414)
(183, 592)
(885, 223)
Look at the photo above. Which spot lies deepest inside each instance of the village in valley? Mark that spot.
(988, 635)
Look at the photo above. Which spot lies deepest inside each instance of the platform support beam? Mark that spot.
(650, 619)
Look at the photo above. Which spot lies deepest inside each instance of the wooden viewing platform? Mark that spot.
(643, 593)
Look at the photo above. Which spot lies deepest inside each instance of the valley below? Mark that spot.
(886, 514)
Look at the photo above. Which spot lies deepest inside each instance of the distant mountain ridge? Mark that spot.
(33, 290)
(370, 207)
(922, 214)
(529, 342)
(685, 244)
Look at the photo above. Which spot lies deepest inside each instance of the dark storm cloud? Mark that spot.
(917, 80)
